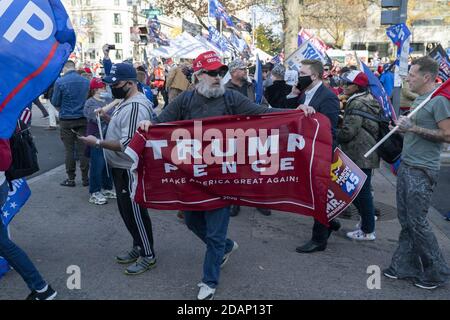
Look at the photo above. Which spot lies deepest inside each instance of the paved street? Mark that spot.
(59, 228)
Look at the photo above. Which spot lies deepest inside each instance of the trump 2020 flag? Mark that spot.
(217, 10)
(16, 199)
(36, 39)
(378, 92)
(259, 91)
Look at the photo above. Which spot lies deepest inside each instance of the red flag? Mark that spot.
(443, 90)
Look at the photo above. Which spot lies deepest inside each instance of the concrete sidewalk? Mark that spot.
(59, 228)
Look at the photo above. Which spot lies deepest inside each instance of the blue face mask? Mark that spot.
(106, 94)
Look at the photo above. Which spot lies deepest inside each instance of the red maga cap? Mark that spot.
(208, 61)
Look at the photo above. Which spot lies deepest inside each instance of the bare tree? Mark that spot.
(199, 8)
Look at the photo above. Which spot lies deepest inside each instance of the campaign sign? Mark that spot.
(346, 182)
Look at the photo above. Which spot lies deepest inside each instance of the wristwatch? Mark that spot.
(97, 143)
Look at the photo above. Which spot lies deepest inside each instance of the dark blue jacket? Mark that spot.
(70, 92)
(327, 103)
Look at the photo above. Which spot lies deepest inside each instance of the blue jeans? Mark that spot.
(211, 227)
(15, 256)
(364, 204)
(98, 177)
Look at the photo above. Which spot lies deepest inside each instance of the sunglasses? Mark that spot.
(215, 73)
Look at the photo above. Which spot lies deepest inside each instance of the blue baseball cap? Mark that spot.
(120, 72)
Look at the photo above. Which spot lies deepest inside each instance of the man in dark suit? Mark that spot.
(316, 97)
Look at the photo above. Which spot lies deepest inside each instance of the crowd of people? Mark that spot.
(99, 116)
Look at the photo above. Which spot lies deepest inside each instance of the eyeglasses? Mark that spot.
(215, 73)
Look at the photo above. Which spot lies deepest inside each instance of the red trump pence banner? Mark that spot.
(276, 160)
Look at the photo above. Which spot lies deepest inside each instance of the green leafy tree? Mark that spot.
(267, 41)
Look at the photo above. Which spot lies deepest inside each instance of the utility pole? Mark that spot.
(397, 12)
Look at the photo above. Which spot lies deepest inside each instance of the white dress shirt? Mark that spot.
(309, 94)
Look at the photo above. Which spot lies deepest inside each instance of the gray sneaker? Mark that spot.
(141, 265)
(129, 256)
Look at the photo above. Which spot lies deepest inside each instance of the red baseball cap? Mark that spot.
(356, 77)
(96, 83)
(87, 70)
(208, 61)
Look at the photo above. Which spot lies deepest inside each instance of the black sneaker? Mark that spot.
(48, 294)
(68, 183)
(425, 285)
(264, 211)
(389, 273)
(234, 210)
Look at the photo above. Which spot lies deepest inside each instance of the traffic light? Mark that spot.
(396, 11)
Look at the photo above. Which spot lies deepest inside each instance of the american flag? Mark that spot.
(25, 116)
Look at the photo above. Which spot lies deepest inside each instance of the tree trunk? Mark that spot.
(291, 11)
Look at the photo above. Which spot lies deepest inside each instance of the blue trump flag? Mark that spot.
(258, 81)
(36, 39)
(15, 201)
(398, 34)
(217, 10)
(378, 92)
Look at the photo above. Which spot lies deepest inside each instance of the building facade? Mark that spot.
(100, 22)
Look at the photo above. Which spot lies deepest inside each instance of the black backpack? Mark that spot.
(24, 154)
(391, 150)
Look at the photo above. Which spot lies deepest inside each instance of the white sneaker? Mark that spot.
(226, 256)
(97, 198)
(109, 194)
(205, 292)
(358, 225)
(359, 235)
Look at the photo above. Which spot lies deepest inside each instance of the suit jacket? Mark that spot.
(327, 103)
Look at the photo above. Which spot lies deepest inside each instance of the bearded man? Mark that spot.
(209, 99)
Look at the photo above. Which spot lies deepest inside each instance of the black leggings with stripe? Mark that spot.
(136, 218)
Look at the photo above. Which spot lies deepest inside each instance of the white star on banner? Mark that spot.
(13, 205)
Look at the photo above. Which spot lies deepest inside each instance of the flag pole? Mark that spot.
(420, 106)
(99, 125)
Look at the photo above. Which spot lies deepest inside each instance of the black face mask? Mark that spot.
(304, 82)
(119, 93)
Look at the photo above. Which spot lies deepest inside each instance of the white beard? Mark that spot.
(210, 92)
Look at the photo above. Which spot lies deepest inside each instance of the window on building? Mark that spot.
(358, 46)
(91, 37)
(428, 22)
(88, 2)
(73, 2)
(417, 47)
(381, 47)
(119, 54)
(92, 54)
(89, 18)
(118, 37)
(117, 2)
(117, 20)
